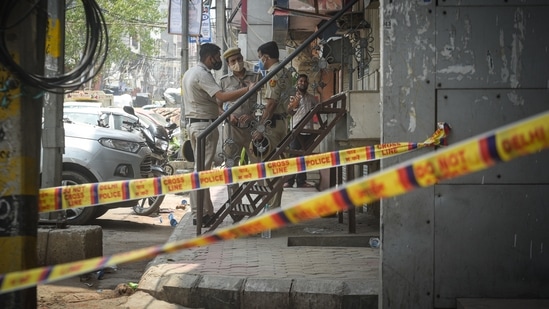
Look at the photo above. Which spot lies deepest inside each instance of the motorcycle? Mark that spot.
(157, 138)
(173, 140)
(175, 144)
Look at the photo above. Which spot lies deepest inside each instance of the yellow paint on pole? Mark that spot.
(53, 38)
(10, 160)
(15, 257)
(17, 179)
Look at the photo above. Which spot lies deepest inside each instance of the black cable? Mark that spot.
(92, 60)
(7, 27)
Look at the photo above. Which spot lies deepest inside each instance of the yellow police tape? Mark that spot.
(519, 139)
(58, 198)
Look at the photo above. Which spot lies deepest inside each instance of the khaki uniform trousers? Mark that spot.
(242, 138)
(275, 136)
(194, 130)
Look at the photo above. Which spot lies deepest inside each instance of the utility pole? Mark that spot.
(53, 136)
(221, 24)
(184, 38)
(184, 65)
(20, 127)
(220, 31)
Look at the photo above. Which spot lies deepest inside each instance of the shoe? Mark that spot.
(287, 185)
(305, 185)
(205, 221)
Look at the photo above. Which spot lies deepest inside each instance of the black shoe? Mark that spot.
(205, 221)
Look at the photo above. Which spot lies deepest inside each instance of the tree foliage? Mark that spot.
(130, 24)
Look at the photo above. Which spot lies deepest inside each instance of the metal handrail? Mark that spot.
(317, 110)
(336, 106)
(200, 140)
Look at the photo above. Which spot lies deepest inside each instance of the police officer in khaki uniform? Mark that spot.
(238, 130)
(275, 97)
(201, 95)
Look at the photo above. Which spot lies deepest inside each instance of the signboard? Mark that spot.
(205, 29)
(194, 18)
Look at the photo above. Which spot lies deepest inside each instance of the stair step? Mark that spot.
(327, 110)
(260, 190)
(314, 131)
(242, 209)
(296, 152)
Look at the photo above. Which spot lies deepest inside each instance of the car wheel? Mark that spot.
(150, 205)
(77, 216)
(168, 169)
(101, 211)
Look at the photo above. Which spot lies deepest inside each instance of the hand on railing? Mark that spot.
(233, 120)
(259, 130)
(245, 120)
(257, 136)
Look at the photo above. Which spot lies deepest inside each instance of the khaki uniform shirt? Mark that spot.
(199, 89)
(230, 82)
(279, 88)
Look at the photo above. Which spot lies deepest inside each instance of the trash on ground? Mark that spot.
(124, 289)
(313, 230)
(374, 242)
(173, 222)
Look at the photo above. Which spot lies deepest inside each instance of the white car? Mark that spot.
(118, 120)
(95, 154)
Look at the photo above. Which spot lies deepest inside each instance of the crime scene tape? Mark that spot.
(474, 154)
(58, 198)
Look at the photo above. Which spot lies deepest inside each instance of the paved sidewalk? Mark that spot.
(254, 272)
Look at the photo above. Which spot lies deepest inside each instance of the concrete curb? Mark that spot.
(166, 283)
(74, 243)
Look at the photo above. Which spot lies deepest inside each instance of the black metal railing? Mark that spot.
(259, 192)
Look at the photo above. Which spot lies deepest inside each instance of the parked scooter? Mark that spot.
(157, 139)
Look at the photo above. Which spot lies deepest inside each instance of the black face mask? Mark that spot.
(217, 65)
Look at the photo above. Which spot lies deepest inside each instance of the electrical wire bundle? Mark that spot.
(92, 59)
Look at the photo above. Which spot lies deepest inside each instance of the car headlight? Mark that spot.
(117, 144)
(161, 144)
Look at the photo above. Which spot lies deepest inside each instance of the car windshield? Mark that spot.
(117, 121)
(81, 104)
(84, 118)
(159, 119)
